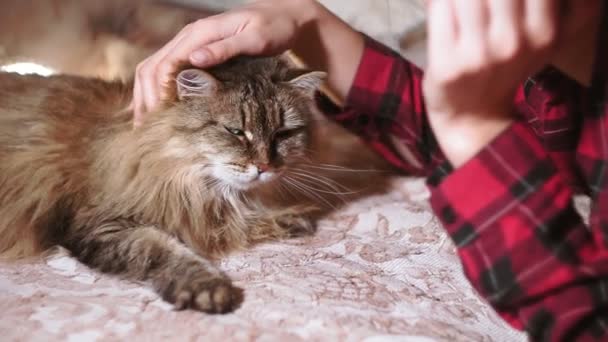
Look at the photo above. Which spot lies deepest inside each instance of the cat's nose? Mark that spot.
(262, 167)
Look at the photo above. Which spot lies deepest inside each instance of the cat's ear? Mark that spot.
(195, 82)
(309, 82)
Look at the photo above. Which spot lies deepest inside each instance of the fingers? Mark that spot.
(178, 51)
(486, 42)
(541, 22)
(202, 33)
(505, 32)
(137, 105)
(523, 30)
(145, 97)
(442, 34)
(471, 20)
(216, 53)
(222, 50)
(153, 73)
(491, 30)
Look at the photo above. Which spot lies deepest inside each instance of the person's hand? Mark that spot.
(479, 52)
(263, 27)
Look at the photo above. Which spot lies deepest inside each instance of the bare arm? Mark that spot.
(264, 27)
(331, 45)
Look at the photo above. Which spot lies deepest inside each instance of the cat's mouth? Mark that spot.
(244, 178)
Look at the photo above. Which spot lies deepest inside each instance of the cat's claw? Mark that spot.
(216, 296)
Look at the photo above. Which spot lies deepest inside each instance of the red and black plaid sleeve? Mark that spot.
(522, 245)
(386, 108)
(509, 210)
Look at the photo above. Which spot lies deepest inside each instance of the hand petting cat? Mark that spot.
(264, 27)
(261, 28)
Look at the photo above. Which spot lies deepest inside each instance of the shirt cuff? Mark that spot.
(380, 81)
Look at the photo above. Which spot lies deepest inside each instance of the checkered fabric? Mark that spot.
(509, 210)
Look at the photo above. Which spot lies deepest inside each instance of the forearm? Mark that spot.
(382, 92)
(384, 107)
(327, 43)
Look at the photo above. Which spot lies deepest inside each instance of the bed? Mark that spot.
(380, 268)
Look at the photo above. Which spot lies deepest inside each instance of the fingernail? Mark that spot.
(198, 57)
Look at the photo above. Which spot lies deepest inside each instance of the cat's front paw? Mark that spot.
(297, 225)
(210, 295)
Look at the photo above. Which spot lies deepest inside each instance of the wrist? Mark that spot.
(305, 12)
(463, 136)
(327, 43)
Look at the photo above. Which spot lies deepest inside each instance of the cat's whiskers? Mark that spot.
(283, 191)
(345, 169)
(339, 168)
(306, 158)
(307, 184)
(316, 174)
(303, 190)
(307, 161)
(338, 189)
(320, 178)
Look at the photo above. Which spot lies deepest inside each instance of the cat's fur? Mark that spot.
(158, 202)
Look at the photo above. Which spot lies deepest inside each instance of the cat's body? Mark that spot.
(154, 203)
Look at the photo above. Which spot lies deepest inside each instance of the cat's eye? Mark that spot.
(235, 131)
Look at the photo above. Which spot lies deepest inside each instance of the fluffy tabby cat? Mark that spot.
(156, 203)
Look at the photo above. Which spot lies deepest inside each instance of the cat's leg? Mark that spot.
(145, 253)
(296, 225)
(279, 223)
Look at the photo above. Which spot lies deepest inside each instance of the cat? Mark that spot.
(157, 203)
(105, 39)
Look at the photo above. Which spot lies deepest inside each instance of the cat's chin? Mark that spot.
(244, 181)
(249, 185)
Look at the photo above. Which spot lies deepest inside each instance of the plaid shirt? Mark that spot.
(509, 210)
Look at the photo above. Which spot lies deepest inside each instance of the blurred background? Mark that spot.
(108, 38)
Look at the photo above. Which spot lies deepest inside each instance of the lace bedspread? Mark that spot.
(379, 268)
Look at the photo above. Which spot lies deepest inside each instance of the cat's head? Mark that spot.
(246, 120)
